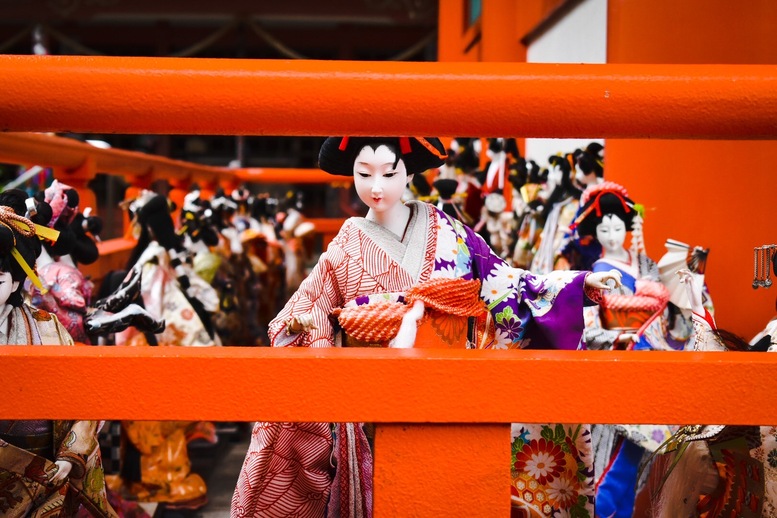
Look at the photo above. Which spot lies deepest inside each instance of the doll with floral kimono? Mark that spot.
(378, 278)
(47, 468)
(632, 316)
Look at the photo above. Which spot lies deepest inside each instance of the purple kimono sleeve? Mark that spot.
(546, 312)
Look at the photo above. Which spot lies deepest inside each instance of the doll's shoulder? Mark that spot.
(37, 314)
(50, 329)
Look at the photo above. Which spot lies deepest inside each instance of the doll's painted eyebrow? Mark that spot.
(381, 165)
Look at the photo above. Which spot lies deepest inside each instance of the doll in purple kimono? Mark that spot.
(393, 266)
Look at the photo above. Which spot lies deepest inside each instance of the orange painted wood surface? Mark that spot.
(442, 470)
(382, 385)
(718, 194)
(280, 97)
(79, 160)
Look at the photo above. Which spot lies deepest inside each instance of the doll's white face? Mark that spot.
(554, 177)
(7, 287)
(584, 180)
(611, 233)
(378, 183)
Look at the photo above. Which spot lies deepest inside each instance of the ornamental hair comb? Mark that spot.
(762, 266)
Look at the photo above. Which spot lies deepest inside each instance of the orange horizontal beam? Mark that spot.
(70, 154)
(289, 175)
(416, 385)
(301, 97)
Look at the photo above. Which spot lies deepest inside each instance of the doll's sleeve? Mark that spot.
(79, 444)
(704, 336)
(545, 311)
(317, 296)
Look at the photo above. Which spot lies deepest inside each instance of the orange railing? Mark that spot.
(442, 442)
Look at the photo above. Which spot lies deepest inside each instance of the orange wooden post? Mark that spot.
(442, 470)
(78, 178)
(499, 41)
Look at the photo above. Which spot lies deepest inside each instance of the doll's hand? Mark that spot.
(63, 470)
(603, 280)
(406, 335)
(693, 287)
(626, 338)
(301, 324)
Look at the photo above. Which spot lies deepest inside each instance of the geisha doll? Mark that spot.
(170, 289)
(68, 291)
(47, 468)
(714, 470)
(561, 201)
(379, 276)
(634, 312)
(156, 465)
(630, 317)
(580, 254)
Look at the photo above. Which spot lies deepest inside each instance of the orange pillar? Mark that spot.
(715, 194)
(442, 470)
(499, 41)
(450, 29)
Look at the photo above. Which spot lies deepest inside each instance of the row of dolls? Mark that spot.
(513, 201)
(398, 266)
(541, 219)
(229, 261)
(578, 220)
(157, 299)
(728, 471)
(215, 278)
(410, 274)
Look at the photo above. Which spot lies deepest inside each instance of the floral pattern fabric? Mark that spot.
(551, 470)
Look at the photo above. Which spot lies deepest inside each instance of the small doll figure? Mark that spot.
(47, 468)
(379, 276)
(68, 293)
(588, 172)
(532, 216)
(171, 291)
(293, 230)
(199, 234)
(561, 201)
(631, 316)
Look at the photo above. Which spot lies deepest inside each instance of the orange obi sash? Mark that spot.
(455, 317)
